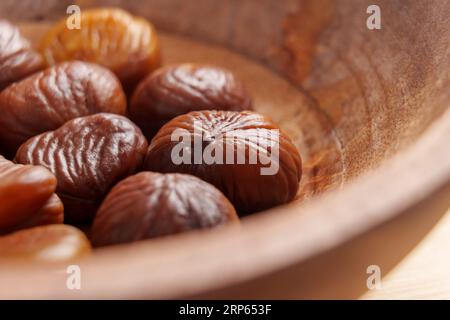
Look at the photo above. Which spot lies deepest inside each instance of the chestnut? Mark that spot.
(88, 155)
(51, 213)
(149, 205)
(45, 244)
(244, 154)
(27, 197)
(175, 90)
(111, 37)
(17, 58)
(48, 99)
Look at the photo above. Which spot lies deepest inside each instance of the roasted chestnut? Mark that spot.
(244, 154)
(51, 213)
(111, 37)
(149, 205)
(27, 197)
(47, 244)
(17, 58)
(88, 155)
(48, 99)
(179, 89)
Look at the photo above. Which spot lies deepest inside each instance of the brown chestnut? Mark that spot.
(149, 205)
(51, 213)
(17, 58)
(175, 90)
(48, 99)
(88, 155)
(111, 37)
(27, 197)
(244, 154)
(45, 244)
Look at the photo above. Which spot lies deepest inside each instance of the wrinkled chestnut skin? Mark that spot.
(27, 197)
(243, 184)
(111, 37)
(179, 89)
(149, 205)
(88, 156)
(17, 58)
(45, 244)
(50, 98)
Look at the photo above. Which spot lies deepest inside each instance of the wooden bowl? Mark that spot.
(369, 111)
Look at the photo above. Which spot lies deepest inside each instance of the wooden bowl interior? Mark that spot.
(373, 91)
(350, 97)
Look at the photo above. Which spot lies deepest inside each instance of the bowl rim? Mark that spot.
(263, 244)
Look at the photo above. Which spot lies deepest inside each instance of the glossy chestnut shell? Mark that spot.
(88, 155)
(45, 244)
(244, 154)
(149, 205)
(178, 89)
(17, 58)
(111, 37)
(48, 99)
(27, 197)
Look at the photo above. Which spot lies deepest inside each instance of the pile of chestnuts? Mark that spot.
(96, 135)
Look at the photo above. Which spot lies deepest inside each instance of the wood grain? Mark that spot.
(371, 108)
